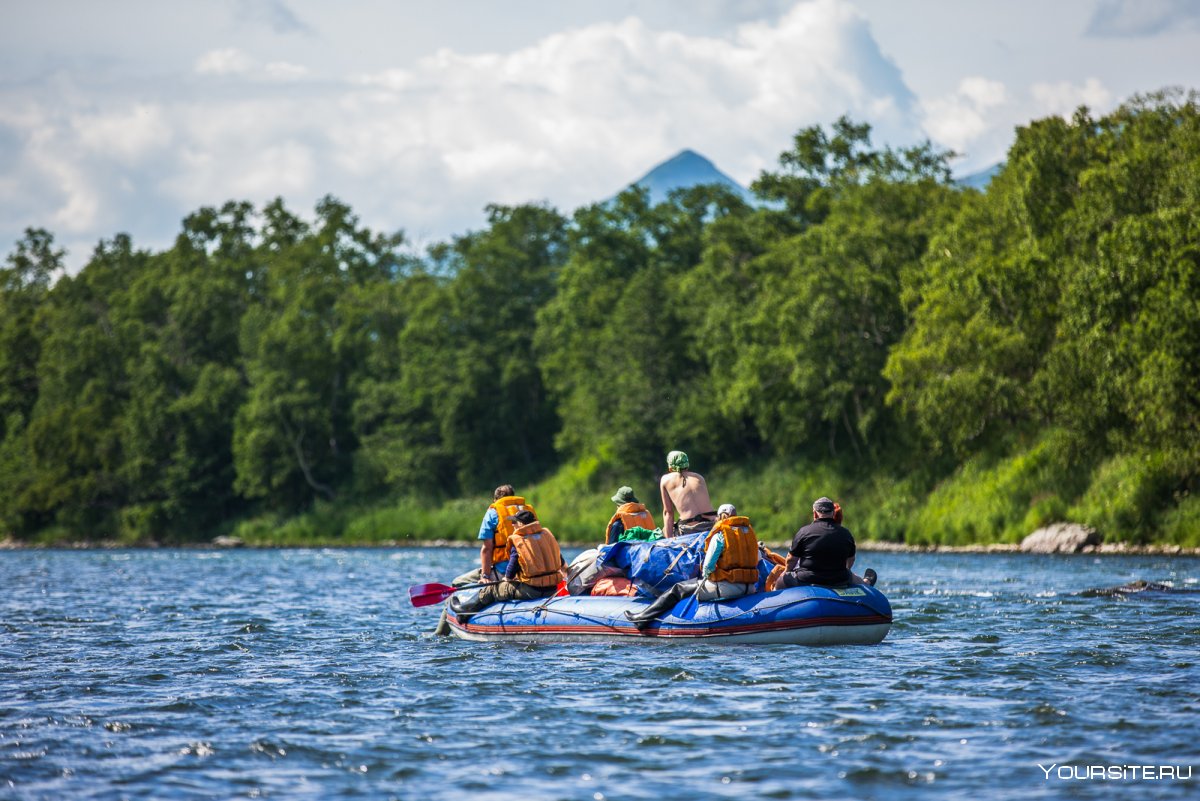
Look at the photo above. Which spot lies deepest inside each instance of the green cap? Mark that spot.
(677, 460)
(625, 495)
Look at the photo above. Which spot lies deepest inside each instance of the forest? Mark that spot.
(954, 366)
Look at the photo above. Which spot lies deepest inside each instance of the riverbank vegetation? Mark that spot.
(955, 366)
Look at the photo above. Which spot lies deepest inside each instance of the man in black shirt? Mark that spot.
(822, 552)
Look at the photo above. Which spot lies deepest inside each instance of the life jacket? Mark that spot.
(538, 556)
(630, 515)
(739, 561)
(778, 567)
(506, 509)
(773, 557)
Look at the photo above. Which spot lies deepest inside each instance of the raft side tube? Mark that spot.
(798, 615)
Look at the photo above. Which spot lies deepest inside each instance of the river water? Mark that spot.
(306, 674)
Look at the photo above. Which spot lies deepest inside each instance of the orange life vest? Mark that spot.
(779, 565)
(631, 514)
(506, 509)
(739, 561)
(539, 559)
(773, 557)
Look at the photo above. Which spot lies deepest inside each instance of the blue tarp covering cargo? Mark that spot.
(657, 566)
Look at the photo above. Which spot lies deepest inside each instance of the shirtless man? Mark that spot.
(686, 506)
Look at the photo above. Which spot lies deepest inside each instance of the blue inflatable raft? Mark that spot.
(857, 615)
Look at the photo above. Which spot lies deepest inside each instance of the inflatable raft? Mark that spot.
(857, 615)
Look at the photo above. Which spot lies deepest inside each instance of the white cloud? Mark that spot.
(957, 120)
(1137, 18)
(80, 208)
(75, 205)
(243, 150)
(588, 109)
(227, 61)
(275, 14)
(44, 187)
(982, 92)
(283, 169)
(395, 80)
(285, 71)
(1064, 97)
(126, 136)
(569, 119)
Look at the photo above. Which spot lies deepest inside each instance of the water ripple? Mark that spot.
(306, 674)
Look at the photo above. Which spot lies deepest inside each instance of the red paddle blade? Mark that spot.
(429, 594)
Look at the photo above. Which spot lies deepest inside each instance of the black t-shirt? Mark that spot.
(822, 548)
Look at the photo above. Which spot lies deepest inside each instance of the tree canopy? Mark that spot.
(865, 311)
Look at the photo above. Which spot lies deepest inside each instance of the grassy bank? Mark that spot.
(988, 500)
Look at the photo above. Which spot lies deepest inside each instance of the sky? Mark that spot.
(127, 115)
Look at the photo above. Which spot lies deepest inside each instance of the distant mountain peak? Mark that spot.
(686, 157)
(685, 169)
(979, 180)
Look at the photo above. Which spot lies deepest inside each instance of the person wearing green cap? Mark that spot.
(686, 505)
(630, 512)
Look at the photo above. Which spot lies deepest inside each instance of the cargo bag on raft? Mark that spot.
(639, 534)
(585, 570)
(615, 586)
(655, 567)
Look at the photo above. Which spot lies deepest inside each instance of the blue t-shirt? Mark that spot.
(487, 531)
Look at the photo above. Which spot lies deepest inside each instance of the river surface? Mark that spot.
(306, 674)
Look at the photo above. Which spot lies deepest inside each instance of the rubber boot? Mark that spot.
(443, 626)
(663, 603)
(460, 611)
(470, 577)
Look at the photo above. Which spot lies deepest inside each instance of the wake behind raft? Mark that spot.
(809, 615)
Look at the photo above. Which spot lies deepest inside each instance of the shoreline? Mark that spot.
(1104, 548)
(872, 546)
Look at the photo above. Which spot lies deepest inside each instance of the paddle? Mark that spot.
(430, 594)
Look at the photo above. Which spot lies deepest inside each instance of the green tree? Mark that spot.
(293, 438)
(24, 289)
(821, 165)
(74, 432)
(984, 299)
(470, 408)
(615, 343)
(803, 313)
(1118, 370)
(185, 381)
(396, 422)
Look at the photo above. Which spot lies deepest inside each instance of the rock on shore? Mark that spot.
(1061, 538)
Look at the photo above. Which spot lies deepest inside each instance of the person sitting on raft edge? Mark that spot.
(630, 512)
(533, 571)
(823, 552)
(497, 525)
(684, 496)
(729, 570)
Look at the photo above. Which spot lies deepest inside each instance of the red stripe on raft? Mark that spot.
(598, 628)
